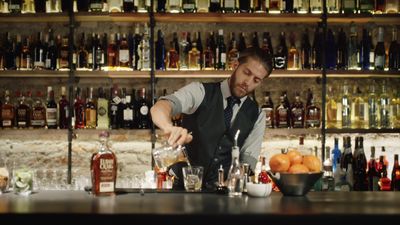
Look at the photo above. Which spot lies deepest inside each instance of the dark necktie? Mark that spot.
(228, 112)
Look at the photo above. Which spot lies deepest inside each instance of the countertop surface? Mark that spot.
(79, 207)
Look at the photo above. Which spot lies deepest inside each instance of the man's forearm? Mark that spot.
(161, 114)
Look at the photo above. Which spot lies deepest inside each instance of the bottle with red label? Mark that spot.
(263, 176)
(103, 168)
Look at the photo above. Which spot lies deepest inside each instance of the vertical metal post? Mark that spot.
(152, 75)
(323, 92)
(71, 79)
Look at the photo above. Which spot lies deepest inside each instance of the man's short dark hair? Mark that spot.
(258, 54)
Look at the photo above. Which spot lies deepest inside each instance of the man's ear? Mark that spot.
(235, 64)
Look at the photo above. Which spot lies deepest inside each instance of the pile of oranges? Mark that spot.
(294, 162)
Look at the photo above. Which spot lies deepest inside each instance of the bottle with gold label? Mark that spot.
(103, 168)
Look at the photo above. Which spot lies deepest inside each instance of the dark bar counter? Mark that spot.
(79, 207)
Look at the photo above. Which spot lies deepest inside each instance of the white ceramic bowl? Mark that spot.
(258, 190)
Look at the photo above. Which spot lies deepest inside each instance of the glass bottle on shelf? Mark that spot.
(128, 119)
(90, 111)
(51, 109)
(199, 46)
(183, 56)
(113, 111)
(282, 116)
(302, 6)
(366, 6)
(259, 6)
(137, 38)
(254, 40)
(215, 6)
(145, 50)
(160, 51)
(358, 110)
(331, 109)
(79, 109)
(372, 108)
(209, 55)
(23, 112)
(360, 166)
(143, 6)
(297, 112)
(316, 6)
(189, 6)
(143, 111)
(103, 121)
(123, 53)
(342, 54)
(28, 6)
(328, 182)
(194, 58)
(365, 49)
(174, 6)
(244, 6)
(336, 155)
(396, 174)
(395, 109)
(293, 56)
(384, 108)
(63, 110)
(233, 56)
(26, 55)
(96, 5)
(229, 6)
(281, 54)
(129, 6)
(38, 116)
(64, 60)
(373, 172)
(7, 111)
(268, 108)
(394, 52)
(287, 6)
(346, 165)
(348, 6)
(384, 181)
(313, 112)
(51, 53)
(371, 52)
(40, 6)
(203, 6)
(332, 6)
(305, 52)
(172, 58)
(392, 6)
(220, 51)
(15, 6)
(346, 107)
(380, 52)
(353, 48)
(266, 45)
(39, 53)
(316, 51)
(103, 168)
(242, 42)
(161, 6)
(82, 55)
(275, 6)
(54, 6)
(331, 51)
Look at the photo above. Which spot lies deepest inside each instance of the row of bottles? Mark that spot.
(119, 109)
(359, 107)
(350, 170)
(291, 115)
(131, 51)
(201, 6)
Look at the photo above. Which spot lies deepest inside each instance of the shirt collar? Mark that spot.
(226, 91)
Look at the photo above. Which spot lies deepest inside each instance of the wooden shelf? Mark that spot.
(35, 18)
(363, 74)
(384, 19)
(112, 17)
(363, 131)
(276, 132)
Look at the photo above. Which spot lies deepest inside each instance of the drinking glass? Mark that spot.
(192, 178)
(23, 181)
(167, 155)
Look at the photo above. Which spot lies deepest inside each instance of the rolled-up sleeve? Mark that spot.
(187, 99)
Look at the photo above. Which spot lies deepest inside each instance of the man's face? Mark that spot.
(246, 77)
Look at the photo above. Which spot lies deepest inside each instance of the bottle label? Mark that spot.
(51, 115)
(117, 100)
(6, 123)
(380, 61)
(128, 114)
(106, 186)
(280, 62)
(223, 57)
(6, 114)
(188, 6)
(229, 4)
(144, 110)
(124, 56)
(96, 6)
(14, 6)
(102, 111)
(268, 116)
(48, 63)
(90, 58)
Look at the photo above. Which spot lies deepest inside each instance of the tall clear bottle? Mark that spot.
(384, 108)
(183, 56)
(392, 6)
(346, 107)
(331, 109)
(235, 174)
(372, 108)
(353, 48)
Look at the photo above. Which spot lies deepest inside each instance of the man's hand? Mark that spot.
(177, 135)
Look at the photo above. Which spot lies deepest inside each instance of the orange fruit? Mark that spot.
(279, 163)
(298, 168)
(295, 157)
(312, 163)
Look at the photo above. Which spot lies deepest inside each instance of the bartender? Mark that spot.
(212, 114)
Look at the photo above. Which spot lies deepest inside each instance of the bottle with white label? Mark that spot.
(103, 168)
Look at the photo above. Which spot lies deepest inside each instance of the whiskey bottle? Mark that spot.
(384, 181)
(346, 107)
(281, 55)
(82, 59)
(268, 108)
(79, 110)
(51, 109)
(220, 51)
(194, 58)
(64, 60)
(380, 52)
(103, 121)
(396, 174)
(172, 60)
(328, 182)
(26, 55)
(305, 52)
(297, 113)
(143, 111)
(145, 51)
(313, 113)
(7, 111)
(373, 172)
(123, 53)
(23, 112)
(112, 54)
(103, 168)
(90, 111)
(160, 51)
(128, 6)
(215, 6)
(189, 6)
(394, 52)
(63, 110)
(38, 116)
(282, 116)
(360, 166)
(331, 109)
(293, 56)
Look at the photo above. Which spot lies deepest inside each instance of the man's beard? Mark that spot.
(233, 85)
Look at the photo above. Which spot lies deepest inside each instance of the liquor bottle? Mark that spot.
(90, 111)
(365, 49)
(183, 56)
(51, 109)
(293, 56)
(298, 112)
(17, 51)
(392, 6)
(353, 49)
(161, 6)
(380, 53)
(330, 51)
(328, 182)
(242, 42)
(113, 111)
(372, 108)
(366, 6)
(160, 51)
(233, 56)
(332, 6)
(316, 6)
(82, 5)
(123, 53)
(103, 168)
(137, 38)
(342, 54)
(189, 6)
(268, 108)
(26, 55)
(63, 110)
(103, 121)
(235, 174)
(358, 110)
(373, 172)
(38, 116)
(287, 6)
(129, 6)
(281, 54)
(40, 6)
(172, 61)
(263, 177)
(384, 181)
(394, 52)
(174, 6)
(331, 109)
(313, 113)
(90, 47)
(23, 112)
(254, 40)
(96, 5)
(316, 50)
(385, 161)
(208, 55)
(83, 55)
(128, 113)
(64, 60)
(348, 6)
(282, 115)
(346, 165)
(79, 110)
(259, 6)
(112, 54)
(305, 51)
(244, 6)
(396, 174)
(145, 51)
(99, 53)
(336, 155)
(39, 53)
(15, 6)
(51, 53)
(143, 119)
(194, 58)
(199, 47)
(267, 44)
(121, 106)
(346, 107)
(371, 52)
(215, 6)
(384, 108)
(7, 111)
(220, 51)
(395, 109)
(360, 166)
(229, 6)
(53, 6)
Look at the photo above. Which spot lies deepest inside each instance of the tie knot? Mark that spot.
(232, 101)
